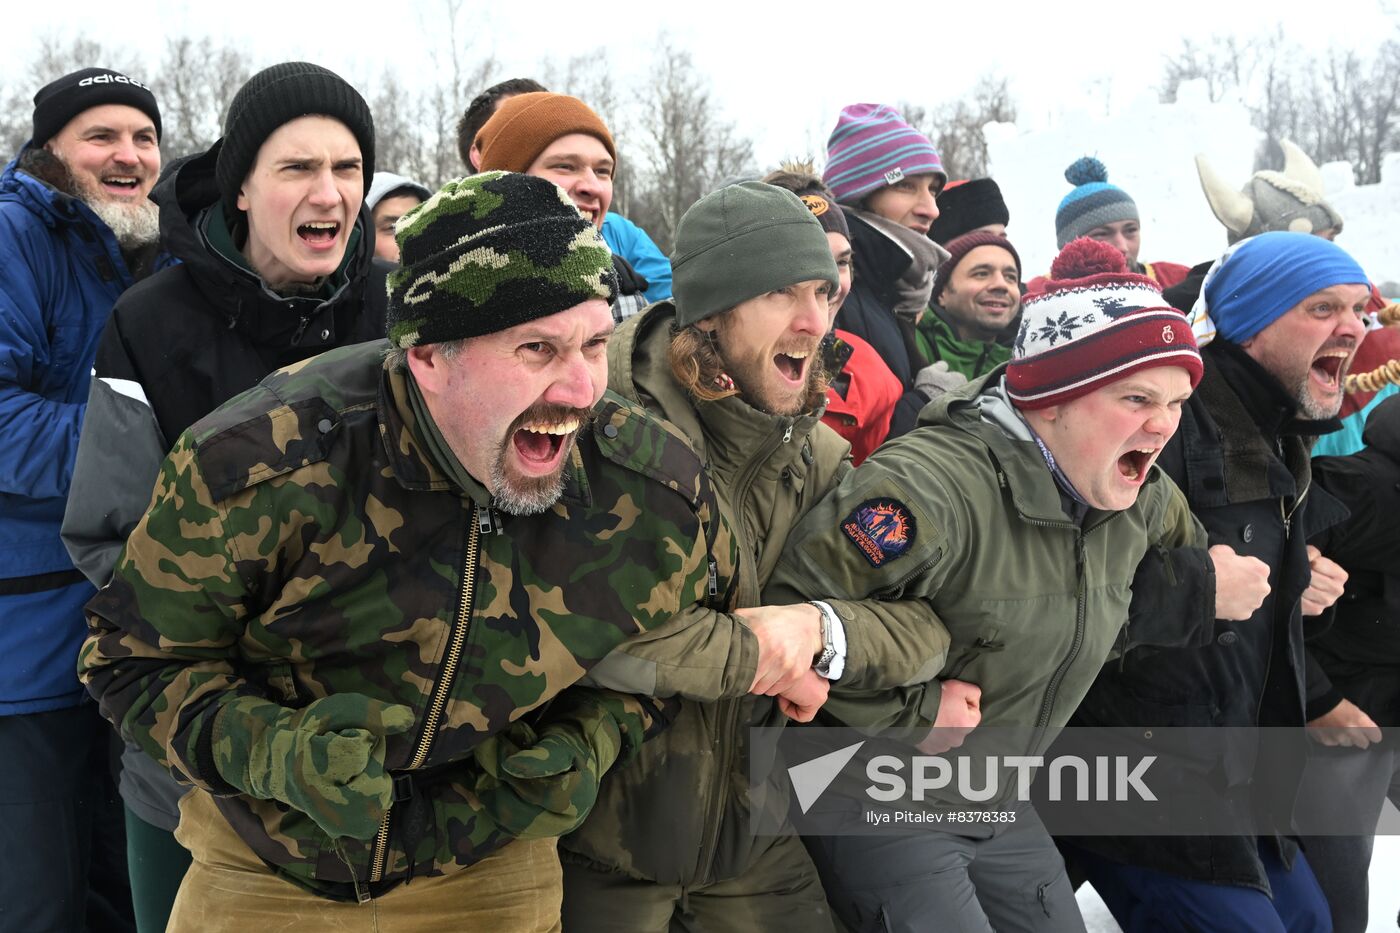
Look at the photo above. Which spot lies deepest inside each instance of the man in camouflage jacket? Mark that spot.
(351, 613)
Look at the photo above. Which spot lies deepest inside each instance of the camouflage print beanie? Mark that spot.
(489, 252)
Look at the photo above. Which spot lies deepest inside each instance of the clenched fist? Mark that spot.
(1325, 588)
(959, 712)
(1241, 583)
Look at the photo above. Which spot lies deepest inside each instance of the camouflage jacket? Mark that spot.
(301, 543)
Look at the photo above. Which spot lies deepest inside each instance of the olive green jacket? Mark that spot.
(679, 813)
(970, 519)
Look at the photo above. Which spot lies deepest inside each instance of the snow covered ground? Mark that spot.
(1149, 149)
(1385, 888)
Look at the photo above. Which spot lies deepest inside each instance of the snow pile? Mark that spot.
(1149, 149)
(1368, 212)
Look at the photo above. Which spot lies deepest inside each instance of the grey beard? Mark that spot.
(1309, 408)
(134, 225)
(524, 497)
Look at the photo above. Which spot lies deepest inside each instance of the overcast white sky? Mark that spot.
(780, 70)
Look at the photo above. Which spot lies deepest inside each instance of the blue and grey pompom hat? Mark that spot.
(1092, 203)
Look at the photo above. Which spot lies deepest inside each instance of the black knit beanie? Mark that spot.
(63, 99)
(278, 95)
(964, 206)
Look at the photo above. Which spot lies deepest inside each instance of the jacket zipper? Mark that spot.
(1048, 702)
(440, 691)
(1288, 515)
(741, 487)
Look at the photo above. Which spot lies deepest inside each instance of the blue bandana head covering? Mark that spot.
(1262, 278)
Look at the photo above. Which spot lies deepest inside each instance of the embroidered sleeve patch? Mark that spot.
(881, 529)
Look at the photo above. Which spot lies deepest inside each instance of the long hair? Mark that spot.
(696, 364)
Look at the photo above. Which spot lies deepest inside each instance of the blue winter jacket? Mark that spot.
(632, 243)
(60, 273)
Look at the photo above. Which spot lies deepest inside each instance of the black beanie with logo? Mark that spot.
(63, 99)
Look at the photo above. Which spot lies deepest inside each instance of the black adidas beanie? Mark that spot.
(278, 95)
(60, 101)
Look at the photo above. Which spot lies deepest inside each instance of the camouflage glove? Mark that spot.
(326, 760)
(541, 780)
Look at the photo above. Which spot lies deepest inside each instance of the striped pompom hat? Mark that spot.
(871, 147)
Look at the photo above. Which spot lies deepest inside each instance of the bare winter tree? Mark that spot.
(53, 58)
(197, 82)
(416, 129)
(1343, 105)
(955, 127)
(1223, 64)
(400, 143)
(686, 145)
(443, 105)
(16, 123)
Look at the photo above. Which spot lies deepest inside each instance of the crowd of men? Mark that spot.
(433, 553)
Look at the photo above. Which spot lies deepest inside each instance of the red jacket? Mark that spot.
(862, 397)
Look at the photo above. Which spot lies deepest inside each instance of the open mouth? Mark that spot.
(1133, 465)
(121, 184)
(319, 233)
(1327, 370)
(793, 366)
(542, 445)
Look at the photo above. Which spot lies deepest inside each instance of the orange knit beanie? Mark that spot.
(526, 124)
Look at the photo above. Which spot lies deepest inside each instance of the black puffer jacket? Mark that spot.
(1361, 650)
(1241, 457)
(867, 313)
(179, 344)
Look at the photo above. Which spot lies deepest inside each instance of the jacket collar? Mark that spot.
(54, 206)
(1273, 411)
(1241, 443)
(1020, 465)
(879, 261)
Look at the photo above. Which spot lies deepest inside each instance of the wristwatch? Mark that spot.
(822, 662)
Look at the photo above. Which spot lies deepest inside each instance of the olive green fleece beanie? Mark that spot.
(743, 241)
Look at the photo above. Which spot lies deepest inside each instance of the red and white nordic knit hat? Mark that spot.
(1094, 323)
